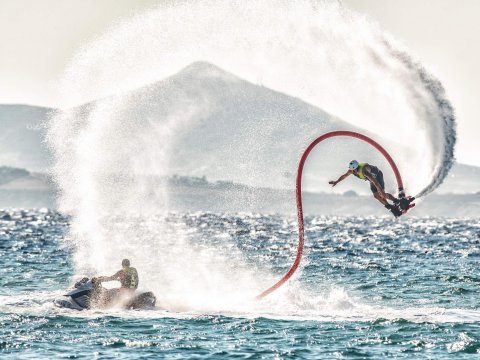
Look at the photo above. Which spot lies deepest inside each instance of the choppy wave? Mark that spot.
(375, 285)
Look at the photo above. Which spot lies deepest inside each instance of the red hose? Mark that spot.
(296, 263)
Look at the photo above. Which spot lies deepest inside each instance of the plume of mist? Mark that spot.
(111, 159)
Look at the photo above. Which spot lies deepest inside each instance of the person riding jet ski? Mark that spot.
(89, 293)
(128, 277)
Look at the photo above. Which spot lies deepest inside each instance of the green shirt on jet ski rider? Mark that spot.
(128, 276)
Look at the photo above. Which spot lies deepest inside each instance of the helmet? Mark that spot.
(125, 262)
(353, 165)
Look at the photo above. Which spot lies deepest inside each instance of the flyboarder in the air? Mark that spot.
(374, 175)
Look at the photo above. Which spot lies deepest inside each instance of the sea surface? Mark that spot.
(368, 287)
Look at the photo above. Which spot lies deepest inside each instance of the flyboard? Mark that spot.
(403, 205)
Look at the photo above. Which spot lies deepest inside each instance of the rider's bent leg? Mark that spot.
(391, 197)
(377, 196)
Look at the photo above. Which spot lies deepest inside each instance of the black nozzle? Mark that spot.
(404, 203)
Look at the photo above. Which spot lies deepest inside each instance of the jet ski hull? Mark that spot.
(89, 295)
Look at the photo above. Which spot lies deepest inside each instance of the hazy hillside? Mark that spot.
(217, 134)
(190, 194)
(22, 135)
(226, 128)
(9, 174)
(200, 195)
(461, 179)
(21, 189)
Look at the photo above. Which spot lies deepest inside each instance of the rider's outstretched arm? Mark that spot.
(109, 278)
(333, 183)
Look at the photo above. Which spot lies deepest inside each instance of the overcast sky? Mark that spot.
(38, 37)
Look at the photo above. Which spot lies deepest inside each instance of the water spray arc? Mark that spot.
(134, 95)
(298, 194)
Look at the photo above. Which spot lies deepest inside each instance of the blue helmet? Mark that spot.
(353, 165)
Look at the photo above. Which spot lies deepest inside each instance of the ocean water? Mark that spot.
(368, 288)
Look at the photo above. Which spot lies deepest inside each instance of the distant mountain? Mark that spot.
(222, 139)
(22, 135)
(197, 194)
(461, 179)
(9, 174)
(20, 188)
(226, 128)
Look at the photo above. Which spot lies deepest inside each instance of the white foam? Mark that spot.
(293, 305)
(109, 160)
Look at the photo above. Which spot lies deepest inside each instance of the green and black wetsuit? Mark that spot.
(374, 171)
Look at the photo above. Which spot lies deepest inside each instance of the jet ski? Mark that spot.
(89, 294)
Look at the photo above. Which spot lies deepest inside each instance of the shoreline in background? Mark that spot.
(187, 194)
